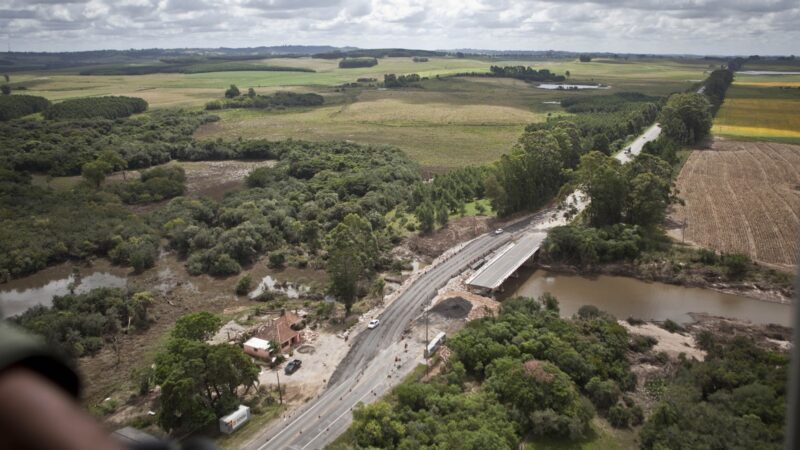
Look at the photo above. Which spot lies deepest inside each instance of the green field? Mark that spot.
(444, 123)
(762, 108)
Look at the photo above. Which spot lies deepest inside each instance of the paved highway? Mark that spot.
(370, 369)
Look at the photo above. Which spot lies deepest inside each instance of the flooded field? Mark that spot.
(19, 295)
(551, 86)
(627, 297)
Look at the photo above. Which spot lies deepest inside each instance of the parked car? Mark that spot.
(292, 366)
(373, 323)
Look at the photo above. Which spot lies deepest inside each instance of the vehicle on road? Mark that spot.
(292, 367)
(498, 231)
(373, 323)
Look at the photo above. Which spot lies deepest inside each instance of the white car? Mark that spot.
(498, 231)
(373, 323)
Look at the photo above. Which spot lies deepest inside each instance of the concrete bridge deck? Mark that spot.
(496, 271)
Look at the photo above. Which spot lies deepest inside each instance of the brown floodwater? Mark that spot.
(19, 295)
(628, 297)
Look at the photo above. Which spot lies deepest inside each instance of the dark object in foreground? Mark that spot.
(38, 407)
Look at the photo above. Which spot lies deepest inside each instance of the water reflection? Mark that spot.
(19, 296)
(627, 297)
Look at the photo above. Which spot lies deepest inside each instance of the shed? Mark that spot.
(258, 348)
(233, 421)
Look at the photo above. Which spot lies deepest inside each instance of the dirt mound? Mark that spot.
(453, 308)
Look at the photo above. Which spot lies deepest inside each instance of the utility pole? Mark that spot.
(280, 393)
(427, 341)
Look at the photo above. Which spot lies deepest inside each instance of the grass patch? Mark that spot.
(602, 437)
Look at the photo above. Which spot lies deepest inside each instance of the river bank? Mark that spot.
(757, 288)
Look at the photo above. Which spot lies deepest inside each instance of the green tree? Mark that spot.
(601, 177)
(442, 214)
(426, 216)
(232, 92)
(200, 382)
(352, 253)
(198, 326)
(243, 285)
(115, 161)
(686, 118)
(251, 92)
(95, 172)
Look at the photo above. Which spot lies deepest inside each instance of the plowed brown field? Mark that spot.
(743, 197)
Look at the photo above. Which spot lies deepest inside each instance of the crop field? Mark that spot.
(765, 107)
(743, 197)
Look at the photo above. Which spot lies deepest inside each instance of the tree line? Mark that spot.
(392, 81)
(352, 62)
(112, 107)
(14, 106)
(527, 74)
(189, 67)
(279, 99)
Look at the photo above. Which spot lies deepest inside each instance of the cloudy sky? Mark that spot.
(635, 26)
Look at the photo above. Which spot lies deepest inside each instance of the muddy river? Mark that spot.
(628, 297)
(39, 289)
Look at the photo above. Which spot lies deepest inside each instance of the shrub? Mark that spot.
(671, 326)
(232, 92)
(243, 285)
(603, 394)
(619, 416)
(277, 259)
(736, 265)
(641, 344)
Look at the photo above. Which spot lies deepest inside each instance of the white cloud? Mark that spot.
(636, 26)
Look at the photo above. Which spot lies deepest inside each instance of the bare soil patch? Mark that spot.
(457, 231)
(743, 197)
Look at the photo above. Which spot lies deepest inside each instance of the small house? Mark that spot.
(258, 348)
(282, 330)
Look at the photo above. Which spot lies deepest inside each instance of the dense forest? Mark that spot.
(102, 107)
(289, 208)
(14, 106)
(82, 324)
(524, 374)
(41, 227)
(528, 375)
(61, 147)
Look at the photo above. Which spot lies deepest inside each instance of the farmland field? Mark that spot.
(763, 107)
(743, 197)
(442, 123)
